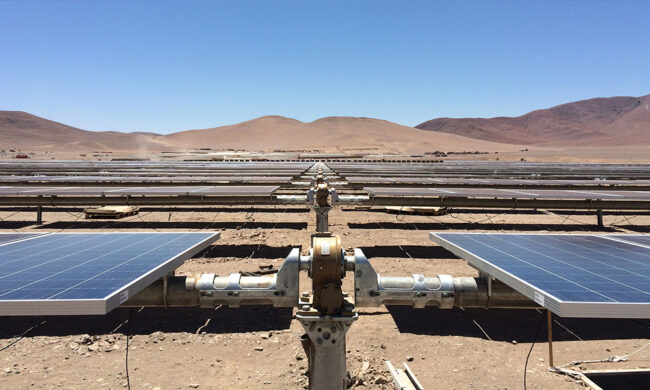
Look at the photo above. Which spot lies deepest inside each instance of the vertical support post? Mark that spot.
(599, 217)
(549, 318)
(39, 215)
(322, 220)
(324, 345)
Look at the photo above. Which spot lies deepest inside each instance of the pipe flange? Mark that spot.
(447, 291)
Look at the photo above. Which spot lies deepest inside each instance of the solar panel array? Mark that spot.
(88, 273)
(572, 275)
(494, 169)
(506, 193)
(9, 237)
(151, 172)
(149, 190)
(137, 179)
(639, 240)
(494, 183)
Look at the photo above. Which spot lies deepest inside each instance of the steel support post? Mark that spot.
(549, 319)
(39, 215)
(599, 217)
(322, 220)
(324, 344)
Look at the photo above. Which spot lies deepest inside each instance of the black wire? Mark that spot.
(126, 359)
(541, 321)
(21, 336)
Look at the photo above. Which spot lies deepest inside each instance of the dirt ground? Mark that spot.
(259, 347)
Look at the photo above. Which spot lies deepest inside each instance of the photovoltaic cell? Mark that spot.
(253, 190)
(88, 273)
(572, 275)
(9, 237)
(508, 193)
(633, 239)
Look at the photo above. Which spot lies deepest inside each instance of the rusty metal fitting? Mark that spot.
(327, 272)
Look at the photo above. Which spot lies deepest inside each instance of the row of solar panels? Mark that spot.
(92, 273)
(571, 275)
(494, 169)
(128, 191)
(373, 191)
(501, 193)
(86, 273)
(82, 168)
(159, 164)
(476, 182)
(239, 179)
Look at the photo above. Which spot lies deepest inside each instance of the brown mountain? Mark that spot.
(29, 132)
(22, 130)
(331, 133)
(618, 120)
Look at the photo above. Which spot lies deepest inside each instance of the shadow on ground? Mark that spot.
(507, 325)
(454, 211)
(635, 228)
(11, 225)
(137, 224)
(475, 226)
(408, 251)
(249, 251)
(149, 320)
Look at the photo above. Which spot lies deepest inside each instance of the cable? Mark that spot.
(126, 358)
(73, 222)
(541, 321)
(212, 222)
(21, 336)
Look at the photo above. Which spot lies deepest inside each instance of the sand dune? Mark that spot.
(602, 121)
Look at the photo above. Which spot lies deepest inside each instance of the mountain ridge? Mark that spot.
(620, 119)
(616, 121)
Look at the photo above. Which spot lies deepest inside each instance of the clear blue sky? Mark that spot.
(167, 66)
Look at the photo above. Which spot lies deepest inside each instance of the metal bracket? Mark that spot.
(404, 379)
(325, 348)
(279, 290)
(372, 289)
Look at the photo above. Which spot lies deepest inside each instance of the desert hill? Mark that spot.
(618, 120)
(22, 130)
(610, 122)
(26, 131)
(331, 133)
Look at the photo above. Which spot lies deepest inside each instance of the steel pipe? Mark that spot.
(373, 289)
(514, 203)
(172, 291)
(168, 200)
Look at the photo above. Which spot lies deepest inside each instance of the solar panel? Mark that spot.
(9, 237)
(572, 275)
(508, 193)
(88, 273)
(633, 239)
(149, 190)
